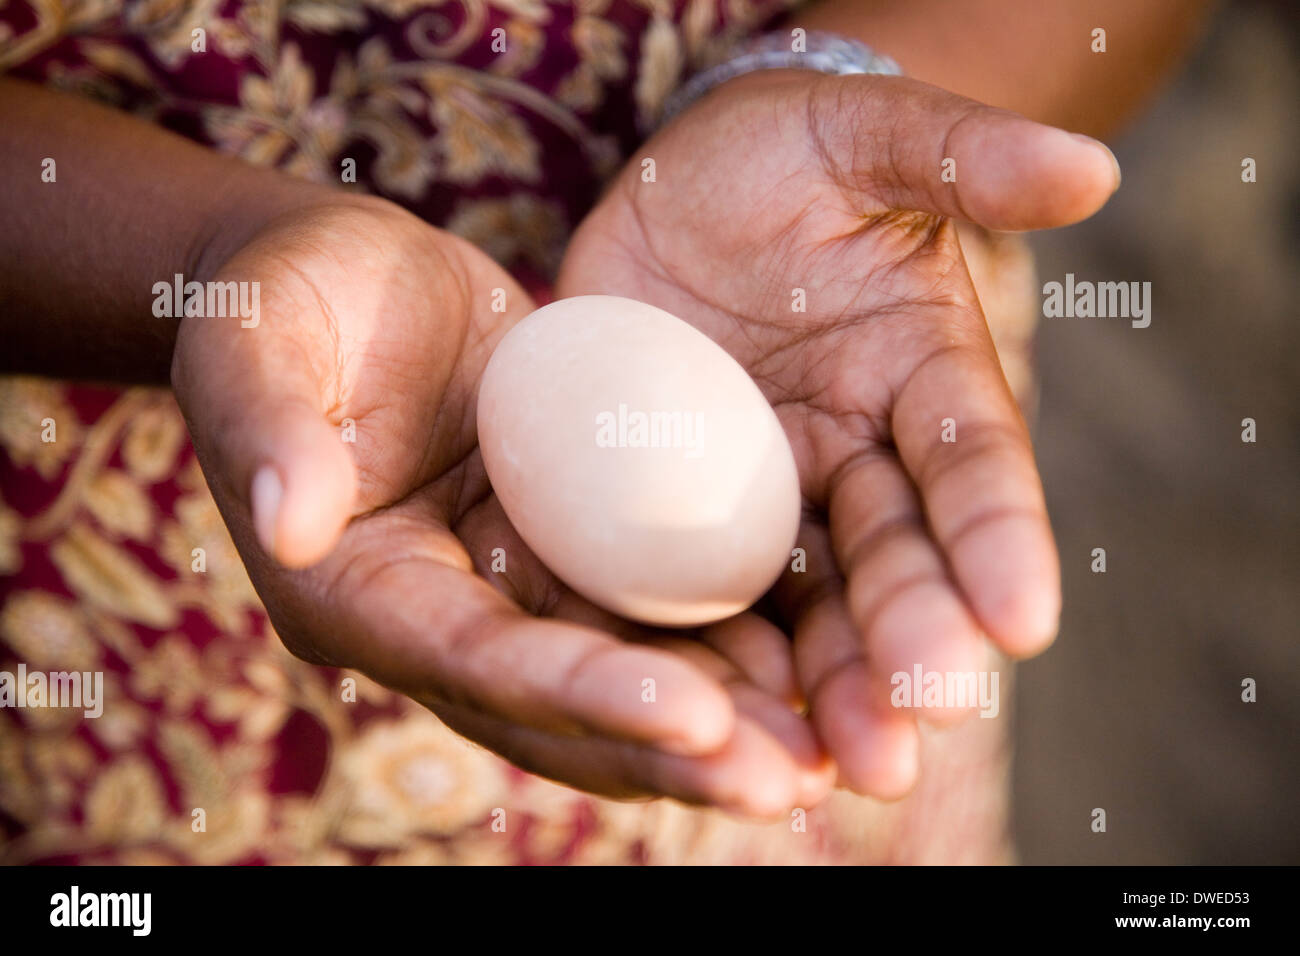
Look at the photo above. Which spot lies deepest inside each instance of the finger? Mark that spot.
(875, 746)
(815, 770)
(960, 436)
(402, 604)
(914, 146)
(508, 564)
(255, 410)
(751, 776)
(745, 646)
(899, 594)
(760, 651)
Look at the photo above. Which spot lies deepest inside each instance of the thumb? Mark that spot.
(258, 422)
(915, 146)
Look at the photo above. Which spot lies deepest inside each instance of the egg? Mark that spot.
(638, 460)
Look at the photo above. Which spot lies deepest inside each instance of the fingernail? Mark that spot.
(1114, 163)
(265, 495)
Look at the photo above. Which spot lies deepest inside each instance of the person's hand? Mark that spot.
(787, 189)
(375, 554)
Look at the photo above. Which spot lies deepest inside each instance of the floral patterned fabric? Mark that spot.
(204, 710)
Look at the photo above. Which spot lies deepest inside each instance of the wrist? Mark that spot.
(812, 51)
(250, 206)
(274, 223)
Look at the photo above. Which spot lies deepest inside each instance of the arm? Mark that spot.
(372, 554)
(131, 205)
(920, 548)
(1031, 56)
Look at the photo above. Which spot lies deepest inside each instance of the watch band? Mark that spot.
(820, 51)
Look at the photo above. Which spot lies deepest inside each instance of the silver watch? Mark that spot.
(803, 50)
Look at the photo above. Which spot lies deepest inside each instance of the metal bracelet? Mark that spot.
(815, 50)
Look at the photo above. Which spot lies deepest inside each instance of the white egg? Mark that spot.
(638, 460)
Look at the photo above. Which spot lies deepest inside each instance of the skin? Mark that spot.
(373, 556)
(918, 547)
(1032, 56)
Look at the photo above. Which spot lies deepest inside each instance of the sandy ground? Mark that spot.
(1138, 708)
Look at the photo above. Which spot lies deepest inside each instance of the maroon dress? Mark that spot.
(498, 121)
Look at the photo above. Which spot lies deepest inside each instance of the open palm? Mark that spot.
(803, 222)
(338, 438)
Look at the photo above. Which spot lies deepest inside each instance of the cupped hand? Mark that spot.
(806, 224)
(338, 438)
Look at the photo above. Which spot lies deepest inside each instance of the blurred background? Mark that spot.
(1137, 709)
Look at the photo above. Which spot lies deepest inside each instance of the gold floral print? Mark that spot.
(126, 803)
(325, 17)
(581, 90)
(30, 411)
(121, 727)
(107, 576)
(699, 23)
(432, 34)
(430, 121)
(48, 632)
(170, 672)
(201, 699)
(222, 589)
(61, 762)
(520, 228)
(120, 505)
(412, 777)
(234, 828)
(11, 555)
(477, 137)
(527, 44)
(257, 716)
(660, 69)
(116, 61)
(153, 440)
(600, 43)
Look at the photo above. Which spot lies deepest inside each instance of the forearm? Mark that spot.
(130, 205)
(1031, 56)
